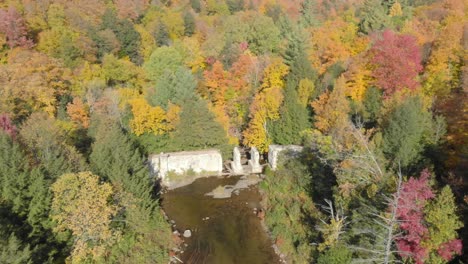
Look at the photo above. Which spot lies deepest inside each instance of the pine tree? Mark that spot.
(309, 13)
(116, 158)
(404, 130)
(443, 221)
(294, 119)
(161, 35)
(147, 235)
(336, 255)
(189, 24)
(198, 129)
(374, 17)
(12, 252)
(196, 6)
(39, 206)
(14, 175)
(173, 87)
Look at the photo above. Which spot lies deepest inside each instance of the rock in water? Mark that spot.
(187, 233)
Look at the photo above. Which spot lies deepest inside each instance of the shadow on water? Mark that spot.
(224, 231)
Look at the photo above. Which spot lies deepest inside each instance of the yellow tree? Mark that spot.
(331, 110)
(444, 66)
(358, 77)
(335, 41)
(147, 119)
(305, 91)
(81, 205)
(265, 105)
(31, 81)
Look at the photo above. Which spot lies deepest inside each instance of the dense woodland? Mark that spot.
(374, 90)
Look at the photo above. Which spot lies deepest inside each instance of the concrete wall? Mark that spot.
(275, 150)
(209, 161)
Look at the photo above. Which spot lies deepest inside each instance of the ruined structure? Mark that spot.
(193, 164)
(254, 161)
(236, 164)
(275, 150)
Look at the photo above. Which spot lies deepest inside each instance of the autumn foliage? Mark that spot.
(7, 126)
(397, 60)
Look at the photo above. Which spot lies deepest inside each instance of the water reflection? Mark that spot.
(224, 231)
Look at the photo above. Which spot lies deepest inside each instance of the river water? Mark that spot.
(232, 233)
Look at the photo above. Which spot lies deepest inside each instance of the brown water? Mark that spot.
(232, 234)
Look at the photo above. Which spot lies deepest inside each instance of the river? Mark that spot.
(224, 231)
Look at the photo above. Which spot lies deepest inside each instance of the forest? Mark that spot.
(375, 91)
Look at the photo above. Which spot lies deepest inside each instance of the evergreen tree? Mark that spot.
(335, 255)
(404, 131)
(116, 158)
(14, 175)
(198, 129)
(147, 235)
(128, 37)
(189, 24)
(294, 119)
(39, 206)
(161, 35)
(12, 252)
(235, 5)
(374, 17)
(309, 14)
(372, 104)
(296, 41)
(175, 87)
(196, 6)
(442, 232)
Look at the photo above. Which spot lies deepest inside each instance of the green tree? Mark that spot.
(263, 35)
(189, 24)
(161, 35)
(290, 210)
(128, 37)
(336, 255)
(235, 5)
(373, 16)
(40, 202)
(147, 235)
(175, 87)
(12, 252)
(294, 119)
(198, 129)
(404, 131)
(372, 104)
(161, 60)
(196, 6)
(14, 175)
(443, 221)
(309, 13)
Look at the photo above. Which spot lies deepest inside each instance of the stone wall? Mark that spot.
(190, 164)
(275, 150)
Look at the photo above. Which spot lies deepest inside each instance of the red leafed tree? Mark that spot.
(410, 212)
(447, 250)
(14, 28)
(397, 60)
(7, 126)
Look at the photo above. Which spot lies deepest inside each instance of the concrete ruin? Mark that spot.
(254, 161)
(192, 164)
(236, 163)
(275, 150)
